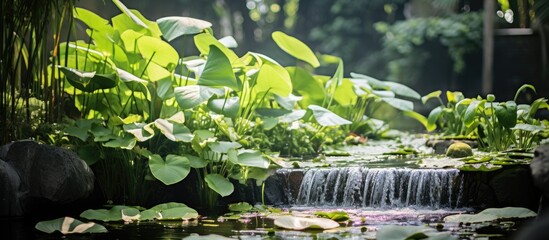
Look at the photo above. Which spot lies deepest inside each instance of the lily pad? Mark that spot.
(335, 215)
(116, 213)
(411, 232)
(470, 218)
(510, 212)
(68, 225)
(240, 207)
(300, 223)
(206, 237)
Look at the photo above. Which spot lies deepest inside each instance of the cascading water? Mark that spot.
(380, 187)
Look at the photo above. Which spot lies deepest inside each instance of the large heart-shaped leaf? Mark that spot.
(223, 146)
(300, 223)
(274, 79)
(68, 225)
(253, 159)
(174, 26)
(327, 118)
(307, 86)
(177, 132)
(169, 211)
(296, 48)
(204, 41)
(141, 131)
(226, 106)
(172, 170)
(510, 212)
(219, 184)
(133, 19)
(218, 71)
(160, 52)
(125, 142)
(193, 95)
(400, 104)
(93, 20)
(507, 114)
(402, 90)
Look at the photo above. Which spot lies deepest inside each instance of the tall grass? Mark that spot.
(29, 94)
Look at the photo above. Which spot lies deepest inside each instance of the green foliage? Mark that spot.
(68, 225)
(448, 117)
(164, 211)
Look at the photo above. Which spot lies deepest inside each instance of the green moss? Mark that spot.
(459, 149)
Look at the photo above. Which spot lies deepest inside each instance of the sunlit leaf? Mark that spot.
(68, 225)
(300, 223)
(174, 26)
(193, 95)
(296, 48)
(253, 159)
(218, 71)
(325, 117)
(172, 170)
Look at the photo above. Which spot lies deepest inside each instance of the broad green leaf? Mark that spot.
(126, 142)
(174, 131)
(158, 51)
(174, 26)
(481, 167)
(454, 97)
(141, 131)
(203, 42)
(193, 95)
(129, 38)
(223, 146)
(400, 104)
(272, 112)
(296, 48)
(326, 118)
(402, 90)
(435, 94)
(178, 213)
(338, 216)
(344, 93)
(240, 207)
(228, 41)
(219, 184)
(68, 225)
(172, 170)
(300, 223)
(129, 78)
(470, 113)
(93, 20)
(433, 117)
(228, 107)
(295, 115)
(253, 159)
(88, 154)
(218, 71)
(164, 89)
(507, 114)
(374, 83)
(274, 79)
(305, 85)
(195, 162)
(81, 128)
(510, 212)
(116, 213)
(528, 127)
(89, 81)
(288, 102)
(133, 19)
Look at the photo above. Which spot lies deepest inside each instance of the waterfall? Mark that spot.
(380, 187)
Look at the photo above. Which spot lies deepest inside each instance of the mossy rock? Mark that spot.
(459, 150)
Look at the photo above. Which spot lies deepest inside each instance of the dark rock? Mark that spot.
(48, 174)
(540, 169)
(514, 187)
(459, 150)
(9, 191)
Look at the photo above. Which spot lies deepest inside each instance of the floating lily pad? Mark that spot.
(208, 237)
(116, 213)
(483, 167)
(169, 211)
(300, 223)
(68, 225)
(393, 232)
(470, 218)
(335, 215)
(240, 207)
(510, 212)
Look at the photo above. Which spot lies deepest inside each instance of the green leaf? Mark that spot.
(126, 142)
(116, 213)
(507, 114)
(433, 117)
(470, 218)
(141, 131)
(402, 90)
(219, 184)
(179, 213)
(253, 159)
(306, 85)
(274, 79)
(400, 104)
(158, 51)
(326, 118)
(470, 113)
(300, 223)
(522, 88)
(164, 89)
(89, 81)
(421, 119)
(296, 48)
(174, 131)
(479, 167)
(204, 41)
(393, 232)
(240, 207)
(174, 26)
(93, 20)
(195, 162)
(344, 93)
(68, 225)
(435, 94)
(132, 19)
(338, 216)
(193, 95)
(172, 170)
(528, 127)
(218, 71)
(223, 146)
(228, 107)
(127, 11)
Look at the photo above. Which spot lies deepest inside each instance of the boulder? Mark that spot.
(540, 169)
(10, 184)
(459, 150)
(45, 173)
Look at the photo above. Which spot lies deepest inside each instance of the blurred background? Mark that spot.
(427, 44)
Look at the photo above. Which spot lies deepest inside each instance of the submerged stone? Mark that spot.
(459, 149)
